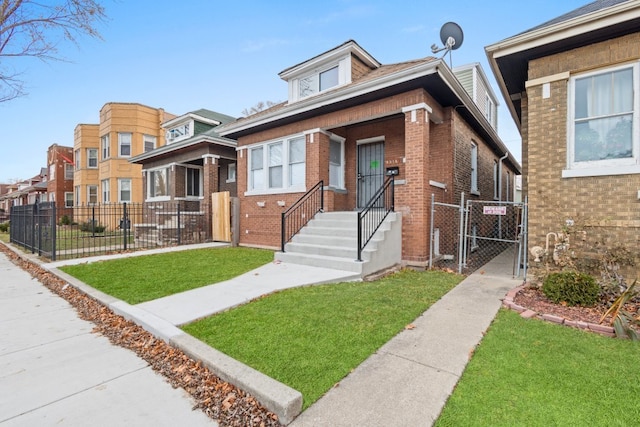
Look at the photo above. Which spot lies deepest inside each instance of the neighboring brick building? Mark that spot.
(348, 121)
(194, 163)
(103, 151)
(572, 86)
(60, 178)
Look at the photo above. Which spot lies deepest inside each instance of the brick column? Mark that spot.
(416, 200)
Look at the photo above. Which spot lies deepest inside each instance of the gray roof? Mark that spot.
(583, 10)
(213, 115)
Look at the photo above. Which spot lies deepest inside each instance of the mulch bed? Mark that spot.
(533, 298)
(221, 401)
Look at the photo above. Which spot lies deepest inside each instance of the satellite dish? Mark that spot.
(451, 36)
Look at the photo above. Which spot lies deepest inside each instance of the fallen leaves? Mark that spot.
(220, 400)
(410, 326)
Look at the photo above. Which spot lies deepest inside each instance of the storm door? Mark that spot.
(370, 171)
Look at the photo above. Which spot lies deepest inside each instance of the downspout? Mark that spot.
(500, 175)
(500, 191)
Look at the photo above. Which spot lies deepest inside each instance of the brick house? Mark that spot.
(348, 121)
(60, 170)
(571, 85)
(194, 163)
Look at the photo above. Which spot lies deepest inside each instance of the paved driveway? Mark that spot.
(55, 371)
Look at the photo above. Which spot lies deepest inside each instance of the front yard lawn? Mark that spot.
(310, 338)
(533, 373)
(144, 278)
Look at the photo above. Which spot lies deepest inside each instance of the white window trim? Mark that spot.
(344, 77)
(66, 194)
(611, 166)
(89, 187)
(149, 138)
(89, 158)
(125, 156)
(200, 179)
(66, 168)
(474, 170)
(341, 141)
(105, 191)
(148, 186)
(105, 146)
(265, 167)
(235, 172)
(120, 181)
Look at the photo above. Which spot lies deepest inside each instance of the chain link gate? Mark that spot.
(464, 237)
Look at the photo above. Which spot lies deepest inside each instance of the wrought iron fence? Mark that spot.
(107, 228)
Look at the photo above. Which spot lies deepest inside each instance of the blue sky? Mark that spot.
(225, 56)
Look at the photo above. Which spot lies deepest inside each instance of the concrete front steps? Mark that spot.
(330, 240)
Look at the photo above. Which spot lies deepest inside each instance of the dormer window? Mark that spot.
(177, 133)
(318, 82)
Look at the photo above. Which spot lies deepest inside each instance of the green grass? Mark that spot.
(533, 373)
(4, 237)
(144, 278)
(310, 338)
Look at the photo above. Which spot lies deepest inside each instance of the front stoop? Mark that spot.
(330, 241)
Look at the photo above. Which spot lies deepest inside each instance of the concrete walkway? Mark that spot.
(55, 371)
(407, 381)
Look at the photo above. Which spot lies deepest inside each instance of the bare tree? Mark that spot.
(35, 28)
(262, 105)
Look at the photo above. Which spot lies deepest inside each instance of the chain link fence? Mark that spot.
(465, 237)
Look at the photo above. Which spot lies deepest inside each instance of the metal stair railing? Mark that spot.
(374, 214)
(301, 212)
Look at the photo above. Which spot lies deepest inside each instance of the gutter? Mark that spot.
(334, 96)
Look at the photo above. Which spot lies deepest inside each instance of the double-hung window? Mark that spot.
(68, 171)
(92, 158)
(277, 166)
(604, 122)
(92, 194)
(149, 142)
(124, 190)
(124, 144)
(194, 182)
(105, 146)
(76, 159)
(105, 191)
(68, 199)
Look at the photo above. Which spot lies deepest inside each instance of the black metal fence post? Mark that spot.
(34, 215)
(54, 234)
(179, 231)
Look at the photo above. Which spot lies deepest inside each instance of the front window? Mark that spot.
(285, 169)
(105, 191)
(329, 78)
(124, 190)
(68, 171)
(604, 114)
(68, 199)
(105, 147)
(194, 182)
(92, 158)
(124, 144)
(149, 143)
(336, 164)
(157, 183)
(92, 194)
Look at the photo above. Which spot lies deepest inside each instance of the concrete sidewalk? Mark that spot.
(55, 371)
(408, 381)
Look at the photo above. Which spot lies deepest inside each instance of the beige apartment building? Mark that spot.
(103, 173)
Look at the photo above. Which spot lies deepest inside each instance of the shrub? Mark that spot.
(91, 227)
(572, 288)
(65, 220)
(4, 227)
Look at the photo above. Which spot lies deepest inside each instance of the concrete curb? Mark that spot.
(278, 398)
